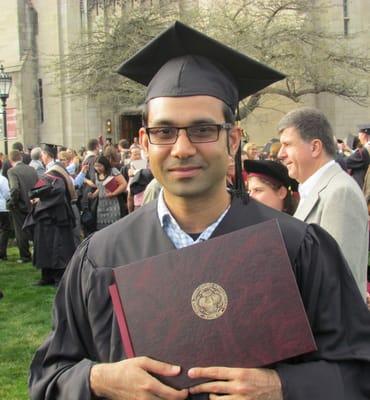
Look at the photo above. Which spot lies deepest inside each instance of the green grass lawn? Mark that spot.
(25, 320)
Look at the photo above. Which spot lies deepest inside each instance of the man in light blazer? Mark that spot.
(329, 197)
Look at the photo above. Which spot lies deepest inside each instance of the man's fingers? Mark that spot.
(162, 391)
(216, 373)
(219, 387)
(158, 367)
(156, 387)
(165, 392)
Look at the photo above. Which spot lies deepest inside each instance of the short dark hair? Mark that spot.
(92, 144)
(17, 146)
(15, 155)
(311, 124)
(124, 144)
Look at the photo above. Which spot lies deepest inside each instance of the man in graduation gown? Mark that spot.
(189, 135)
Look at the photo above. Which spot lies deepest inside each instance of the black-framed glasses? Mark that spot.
(202, 133)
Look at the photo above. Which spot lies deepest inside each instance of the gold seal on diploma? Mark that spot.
(209, 301)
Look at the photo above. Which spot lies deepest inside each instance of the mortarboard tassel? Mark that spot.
(239, 185)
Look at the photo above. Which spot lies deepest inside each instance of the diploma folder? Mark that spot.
(111, 184)
(230, 301)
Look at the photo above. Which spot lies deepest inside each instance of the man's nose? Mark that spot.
(281, 154)
(183, 148)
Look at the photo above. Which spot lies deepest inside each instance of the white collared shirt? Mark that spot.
(4, 193)
(306, 187)
(50, 164)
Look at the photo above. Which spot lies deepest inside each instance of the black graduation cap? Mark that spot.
(181, 61)
(364, 128)
(51, 149)
(272, 169)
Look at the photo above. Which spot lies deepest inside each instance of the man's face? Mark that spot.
(44, 158)
(296, 154)
(185, 169)
(135, 154)
(363, 137)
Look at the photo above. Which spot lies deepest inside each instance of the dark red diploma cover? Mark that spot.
(111, 184)
(231, 301)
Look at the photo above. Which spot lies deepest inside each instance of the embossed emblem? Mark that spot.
(209, 301)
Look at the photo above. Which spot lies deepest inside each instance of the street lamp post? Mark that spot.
(5, 84)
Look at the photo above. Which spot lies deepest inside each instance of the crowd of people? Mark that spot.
(51, 194)
(53, 197)
(190, 142)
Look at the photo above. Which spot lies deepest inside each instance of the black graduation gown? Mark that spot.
(357, 163)
(51, 222)
(85, 330)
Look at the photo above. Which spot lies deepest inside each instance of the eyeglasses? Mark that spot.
(204, 133)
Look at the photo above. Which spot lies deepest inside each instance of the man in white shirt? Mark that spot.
(328, 196)
(4, 217)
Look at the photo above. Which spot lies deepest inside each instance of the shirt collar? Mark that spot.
(306, 187)
(50, 164)
(178, 237)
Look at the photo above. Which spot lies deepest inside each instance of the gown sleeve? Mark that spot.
(61, 366)
(340, 323)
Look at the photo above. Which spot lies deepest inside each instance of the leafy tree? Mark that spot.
(284, 34)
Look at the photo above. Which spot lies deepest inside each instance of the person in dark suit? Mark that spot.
(26, 158)
(22, 178)
(358, 162)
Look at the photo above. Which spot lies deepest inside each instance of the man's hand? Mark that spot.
(238, 383)
(131, 379)
(84, 168)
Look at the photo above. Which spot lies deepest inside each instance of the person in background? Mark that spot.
(36, 161)
(25, 157)
(329, 197)
(78, 181)
(358, 162)
(269, 183)
(113, 156)
(52, 220)
(75, 165)
(251, 151)
(109, 209)
(87, 204)
(342, 154)
(135, 154)
(22, 178)
(69, 161)
(5, 226)
(2, 159)
(136, 188)
(274, 151)
(152, 190)
(124, 150)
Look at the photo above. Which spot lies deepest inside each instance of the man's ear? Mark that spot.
(316, 148)
(144, 140)
(234, 139)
